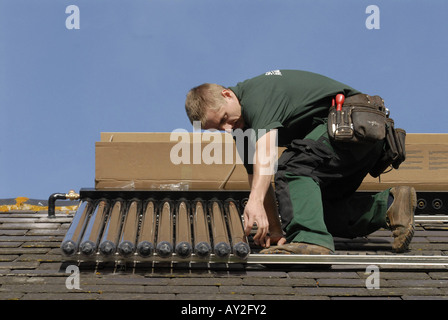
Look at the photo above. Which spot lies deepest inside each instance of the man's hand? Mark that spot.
(275, 238)
(254, 213)
(258, 211)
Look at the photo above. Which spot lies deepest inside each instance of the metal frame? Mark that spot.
(253, 258)
(286, 259)
(431, 218)
(355, 259)
(429, 203)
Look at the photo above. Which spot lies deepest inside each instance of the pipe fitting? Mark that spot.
(71, 195)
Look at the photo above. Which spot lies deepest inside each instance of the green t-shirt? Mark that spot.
(291, 101)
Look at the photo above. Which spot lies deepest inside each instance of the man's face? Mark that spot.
(228, 117)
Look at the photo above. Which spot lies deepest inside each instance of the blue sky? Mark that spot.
(129, 65)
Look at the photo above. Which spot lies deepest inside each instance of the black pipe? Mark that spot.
(52, 203)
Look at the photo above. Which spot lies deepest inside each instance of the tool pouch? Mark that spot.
(364, 119)
(394, 152)
(361, 120)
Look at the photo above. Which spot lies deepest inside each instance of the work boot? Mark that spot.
(297, 248)
(400, 217)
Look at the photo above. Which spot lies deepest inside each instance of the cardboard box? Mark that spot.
(425, 168)
(142, 161)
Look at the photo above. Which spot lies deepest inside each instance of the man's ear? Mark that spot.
(226, 93)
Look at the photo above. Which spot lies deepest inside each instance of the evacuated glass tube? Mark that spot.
(111, 232)
(73, 237)
(238, 238)
(219, 230)
(183, 231)
(164, 246)
(126, 246)
(201, 234)
(145, 247)
(93, 230)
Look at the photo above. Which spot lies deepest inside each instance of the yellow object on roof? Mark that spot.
(21, 203)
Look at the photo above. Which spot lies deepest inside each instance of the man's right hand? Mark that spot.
(254, 213)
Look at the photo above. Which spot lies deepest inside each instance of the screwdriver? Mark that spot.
(339, 102)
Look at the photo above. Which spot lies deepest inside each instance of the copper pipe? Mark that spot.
(146, 239)
(93, 230)
(164, 246)
(201, 232)
(111, 232)
(219, 231)
(74, 234)
(126, 246)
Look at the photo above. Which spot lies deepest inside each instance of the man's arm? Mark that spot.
(261, 207)
(270, 207)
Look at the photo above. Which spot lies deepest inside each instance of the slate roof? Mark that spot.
(32, 268)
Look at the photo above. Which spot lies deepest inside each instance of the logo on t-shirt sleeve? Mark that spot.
(273, 73)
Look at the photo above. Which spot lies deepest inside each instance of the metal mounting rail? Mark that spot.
(289, 259)
(430, 218)
(355, 259)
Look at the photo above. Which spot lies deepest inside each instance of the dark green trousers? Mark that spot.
(315, 188)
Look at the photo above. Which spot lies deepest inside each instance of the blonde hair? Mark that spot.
(203, 97)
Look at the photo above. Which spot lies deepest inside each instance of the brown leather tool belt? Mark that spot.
(365, 119)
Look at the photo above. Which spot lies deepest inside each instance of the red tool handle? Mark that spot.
(339, 101)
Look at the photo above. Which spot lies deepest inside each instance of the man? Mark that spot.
(317, 177)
